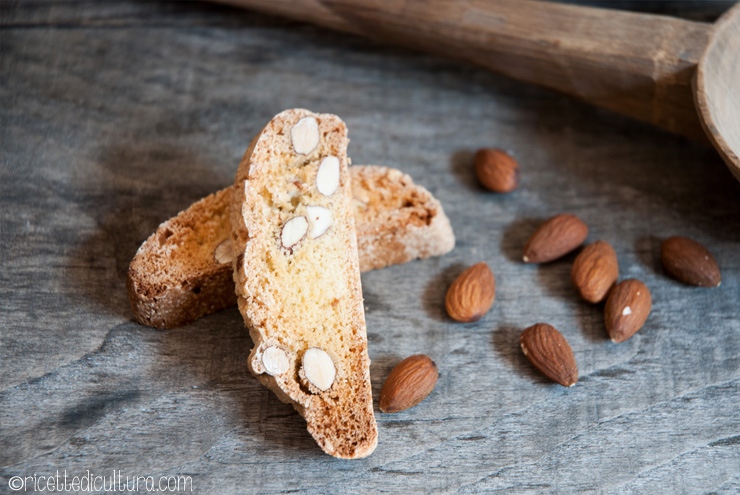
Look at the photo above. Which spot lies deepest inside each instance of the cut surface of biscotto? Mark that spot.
(397, 220)
(297, 277)
(183, 271)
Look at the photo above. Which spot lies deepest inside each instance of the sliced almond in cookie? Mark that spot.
(223, 253)
(320, 220)
(327, 178)
(275, 360)
(318, 368)
(305, 135)
(293, 231)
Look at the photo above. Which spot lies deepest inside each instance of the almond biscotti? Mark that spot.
(183, 271)
(297, 277)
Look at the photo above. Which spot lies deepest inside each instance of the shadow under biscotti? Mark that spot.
(213, 351)
(151, 195)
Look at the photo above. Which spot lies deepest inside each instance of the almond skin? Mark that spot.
(409, 383)
(595, 271)
(689, 262)
(472, 293)
(626, 309)
(549, 352)
(555, 238)
(496, 170)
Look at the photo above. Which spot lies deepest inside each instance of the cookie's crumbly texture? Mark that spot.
(397, 220)
(305, 295)
(175, 278)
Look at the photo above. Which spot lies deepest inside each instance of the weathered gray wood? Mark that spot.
(116, 115)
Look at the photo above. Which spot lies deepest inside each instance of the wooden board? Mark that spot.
(114, 116)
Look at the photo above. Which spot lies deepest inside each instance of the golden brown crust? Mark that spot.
(397, 220)
(174, 278)
(304, 295)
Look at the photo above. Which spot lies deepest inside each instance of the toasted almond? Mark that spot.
(556, 237)
(690, 262)
(472, 293)
(626, 309)
(496, 170)
(318, 368)
(409, 383)
(328, 175)
(224, 253)
(305, 135)
(275, 360)
(319, 220)
(293, 231)
(549, 352)
(595, 271)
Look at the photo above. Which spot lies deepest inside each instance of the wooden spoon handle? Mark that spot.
(635, 64)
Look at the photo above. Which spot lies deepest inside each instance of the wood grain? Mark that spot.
(114, 116)
(717, 98)
(635, 64)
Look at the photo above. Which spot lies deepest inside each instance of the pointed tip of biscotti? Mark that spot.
(352, 450)
(348, 432)
(360, 451)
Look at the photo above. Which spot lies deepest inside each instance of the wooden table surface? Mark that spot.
(116, 115)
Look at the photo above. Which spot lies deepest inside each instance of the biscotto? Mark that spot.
(183, 271)
(297, 278)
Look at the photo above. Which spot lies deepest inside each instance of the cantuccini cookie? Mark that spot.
(297, 277)
(183, 271)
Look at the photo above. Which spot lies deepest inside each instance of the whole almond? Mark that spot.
(496, 170)
(549, 352)
(555, 238)
(409, 383)
(690, 262)
(595, 271)
(626, 309)
(472, 293)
